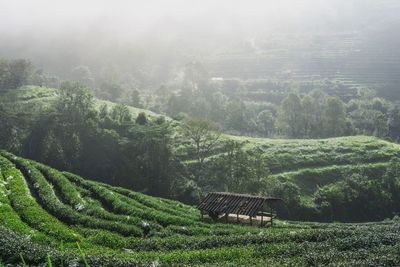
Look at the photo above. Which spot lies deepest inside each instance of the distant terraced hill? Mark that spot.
(363, 53)
(45, 213)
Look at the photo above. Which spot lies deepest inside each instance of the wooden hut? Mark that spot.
(217, 204)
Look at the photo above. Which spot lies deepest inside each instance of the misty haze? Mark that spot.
(200, 133)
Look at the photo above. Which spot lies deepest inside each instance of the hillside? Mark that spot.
(296, 170)
(44, 213)
(300, 159)
(28, 98)
(319, 161)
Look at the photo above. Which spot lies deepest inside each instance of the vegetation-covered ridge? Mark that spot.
(319, 179)
(44, 212)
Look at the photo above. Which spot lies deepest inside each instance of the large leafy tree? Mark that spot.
(147, 157)
(203, 134)
(266, 122)
(237, 170)
(15, 73)
(290, 120)
(334, 117)
(110, 91)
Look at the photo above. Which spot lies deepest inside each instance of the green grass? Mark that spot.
(40, 212)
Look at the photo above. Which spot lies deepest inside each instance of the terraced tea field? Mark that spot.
(48, 215)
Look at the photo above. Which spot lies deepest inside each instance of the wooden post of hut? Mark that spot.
(272, 216)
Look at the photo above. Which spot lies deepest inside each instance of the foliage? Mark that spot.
(158, 159)
(203, 134)
(15, 73)
(182, 238)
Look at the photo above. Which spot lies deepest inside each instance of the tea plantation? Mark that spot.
(60, 219)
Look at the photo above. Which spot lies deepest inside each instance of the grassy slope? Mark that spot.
(314, 163)
(40, 207)
(34, 96)
(308, 163)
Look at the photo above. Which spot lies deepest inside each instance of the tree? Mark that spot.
(319, 100)
(20, 71)
(76, 104)
(146, 160)
(380, 104)
(141, 118)
(83, 75)
(380, 123)
(290, 118)
(218, 103)
(195, 75)
(266, 122)
(15, 73)
(369, 121)
(394, 121)
(310, 116)
(10, 131)
(286, 190)
(357, 198)
(203, 134)
(136, 101)
(237, 118)
(238, 169)
(110, 91)
(121, 114)
(59, 138)
(334, 117)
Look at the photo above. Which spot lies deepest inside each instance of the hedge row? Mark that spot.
(173, 207)
(69, 194)
(65, 213)
(31, 212)
(123, 205)
(120, 204)
(9, 218)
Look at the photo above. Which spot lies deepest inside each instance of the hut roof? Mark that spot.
(233, 203)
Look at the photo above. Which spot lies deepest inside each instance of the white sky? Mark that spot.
(20, 15)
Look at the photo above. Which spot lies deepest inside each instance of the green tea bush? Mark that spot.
(123, 205)
(102, 225)
(67, 214)
(69, 194)
(31, 212)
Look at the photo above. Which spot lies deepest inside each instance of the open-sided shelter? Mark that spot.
(216, 204)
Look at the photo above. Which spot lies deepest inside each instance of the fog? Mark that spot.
(157, 36)
(138, 17)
